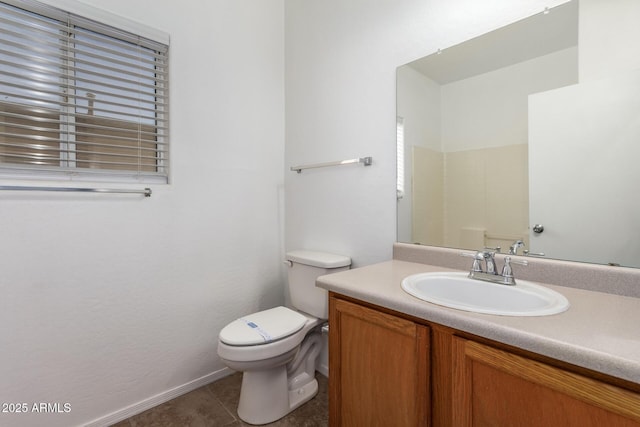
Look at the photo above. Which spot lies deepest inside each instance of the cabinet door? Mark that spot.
(496, 388)
(378, 368)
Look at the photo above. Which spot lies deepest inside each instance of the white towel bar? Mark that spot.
(364, 160)
(146, 192)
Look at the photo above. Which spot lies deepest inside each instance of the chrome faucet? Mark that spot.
(490, 261)
(491, 274)
(513, 249)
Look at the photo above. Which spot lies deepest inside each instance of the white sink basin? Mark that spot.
(456, 290)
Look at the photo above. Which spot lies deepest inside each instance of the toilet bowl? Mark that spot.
(277, 349)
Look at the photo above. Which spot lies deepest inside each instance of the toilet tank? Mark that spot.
(304, 268)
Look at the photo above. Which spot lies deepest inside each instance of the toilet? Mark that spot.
(276, 349)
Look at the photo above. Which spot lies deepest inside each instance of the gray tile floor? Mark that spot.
(215, 405)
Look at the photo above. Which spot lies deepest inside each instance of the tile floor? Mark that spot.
(215, 405)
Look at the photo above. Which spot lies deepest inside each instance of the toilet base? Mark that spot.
(265, 396)
(269, 394)
(303, 394)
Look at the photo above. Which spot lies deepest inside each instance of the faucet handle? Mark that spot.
(489, 258)
(507, 271)
(477, 257)
(513, 249)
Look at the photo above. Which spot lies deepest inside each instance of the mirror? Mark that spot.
(523, 135)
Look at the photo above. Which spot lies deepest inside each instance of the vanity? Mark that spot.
(398, 360)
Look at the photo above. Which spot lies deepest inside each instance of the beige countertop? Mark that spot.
(599, 331)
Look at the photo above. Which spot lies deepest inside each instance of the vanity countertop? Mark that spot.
(599, 331)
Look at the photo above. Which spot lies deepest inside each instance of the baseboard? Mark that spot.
(322, 364)
(323, 369)
(158, 399)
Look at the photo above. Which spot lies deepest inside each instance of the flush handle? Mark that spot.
(538, 228)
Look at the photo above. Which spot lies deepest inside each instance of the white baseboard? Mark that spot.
(322, 365)
(324, 370)
(143, 405)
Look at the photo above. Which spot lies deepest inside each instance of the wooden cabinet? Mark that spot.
(492, 387)
(389, 369)
(378, 368)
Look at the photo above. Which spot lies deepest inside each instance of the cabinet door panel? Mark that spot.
(497, 388)
(378, 368)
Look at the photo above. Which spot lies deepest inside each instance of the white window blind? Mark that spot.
(79, 98)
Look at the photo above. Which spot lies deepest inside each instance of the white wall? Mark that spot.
(608, 35)
(109, 300)
(418, 102)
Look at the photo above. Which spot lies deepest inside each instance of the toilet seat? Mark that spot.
(263, 327)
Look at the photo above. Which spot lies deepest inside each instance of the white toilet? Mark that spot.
(277, 349)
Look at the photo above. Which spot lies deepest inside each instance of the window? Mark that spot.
(80, 99)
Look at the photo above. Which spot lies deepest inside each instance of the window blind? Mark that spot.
(80, 98)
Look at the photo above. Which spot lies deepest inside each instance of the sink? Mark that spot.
(456, 290)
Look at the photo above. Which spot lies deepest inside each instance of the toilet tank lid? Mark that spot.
(318, 259)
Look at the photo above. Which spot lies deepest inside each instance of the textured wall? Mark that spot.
(109, 300)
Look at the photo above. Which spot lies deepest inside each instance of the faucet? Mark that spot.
(490, 261)
(479, 257)
(491, 273)
(513, 249)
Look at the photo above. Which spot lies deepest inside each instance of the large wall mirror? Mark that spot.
(529, 133)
